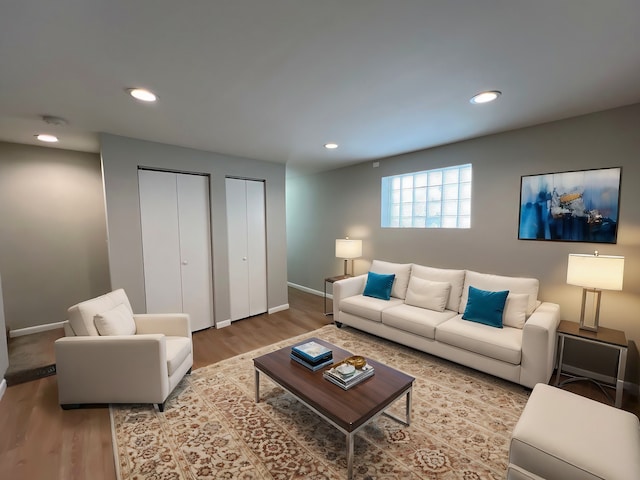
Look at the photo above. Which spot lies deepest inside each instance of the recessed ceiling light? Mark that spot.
(485, 97)
(43, 137)
(330, 146)
(142, 94)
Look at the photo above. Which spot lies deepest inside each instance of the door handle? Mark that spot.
(184, 262)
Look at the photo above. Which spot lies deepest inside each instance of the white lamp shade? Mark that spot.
(595, 271)
(346, 248)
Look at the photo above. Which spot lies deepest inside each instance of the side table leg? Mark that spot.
(349, 456)
(622, 365)
(561, 354)
(324, 309)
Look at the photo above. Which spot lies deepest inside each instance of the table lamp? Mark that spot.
(348, 249)
(594, 273)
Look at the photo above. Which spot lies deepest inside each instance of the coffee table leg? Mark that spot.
(407, 414)
(257, 373)
(349, 456)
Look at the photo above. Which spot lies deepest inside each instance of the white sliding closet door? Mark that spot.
(246, 227)
(160, 241)
(195, 248)
(176, 245)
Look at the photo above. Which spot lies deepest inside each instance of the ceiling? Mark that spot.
(277, 79)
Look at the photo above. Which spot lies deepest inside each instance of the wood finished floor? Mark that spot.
(39, 440)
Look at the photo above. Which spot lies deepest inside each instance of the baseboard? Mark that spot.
(279, 308)
(3, 388)
(224, 323)
(308, 290)
(19, 332)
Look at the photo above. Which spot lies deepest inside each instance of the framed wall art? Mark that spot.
(580, 206)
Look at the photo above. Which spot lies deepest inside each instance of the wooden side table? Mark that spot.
(331, 280)
(607, 337)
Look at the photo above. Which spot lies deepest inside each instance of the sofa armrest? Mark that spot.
(348, 287)
(539, 345)
(170, 324)
(112, 369)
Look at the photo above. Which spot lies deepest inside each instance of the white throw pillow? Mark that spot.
(428, 294)
(117, 321)
(515, 310)
(497, 283)
(454, 277)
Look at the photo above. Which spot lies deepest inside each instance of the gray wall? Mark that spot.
(53, 249)
(326, 206)
(4, 351)
(121, 158)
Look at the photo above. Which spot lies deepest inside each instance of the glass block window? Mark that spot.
(439, 198)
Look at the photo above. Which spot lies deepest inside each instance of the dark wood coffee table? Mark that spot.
(347, 410)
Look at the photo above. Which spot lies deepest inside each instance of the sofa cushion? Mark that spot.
(401, 271)
(367, 307)
(379, 285)
(496, 283)
(454, 277)
(515, 310)
(419, 321)
(485, 307)
(81, 315)
(427, 294)
(117, 321)
(178, 349)
(503, 344)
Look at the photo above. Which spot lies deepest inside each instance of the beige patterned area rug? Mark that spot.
(213, 429)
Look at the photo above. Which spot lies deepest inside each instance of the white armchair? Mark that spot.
(111, 355)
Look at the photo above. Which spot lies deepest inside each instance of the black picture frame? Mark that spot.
(574, 206)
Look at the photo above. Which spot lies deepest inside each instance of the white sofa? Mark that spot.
(111, 355)
(523, 351)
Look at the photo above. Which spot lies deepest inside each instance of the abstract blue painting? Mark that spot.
(579, 206)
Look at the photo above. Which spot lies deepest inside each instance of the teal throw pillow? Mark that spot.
(379, 285)
(485, 307)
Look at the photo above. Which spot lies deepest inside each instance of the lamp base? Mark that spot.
(595, 309)
(588, 328)
(346, 272)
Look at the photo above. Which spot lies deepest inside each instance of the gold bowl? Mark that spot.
(357, 361)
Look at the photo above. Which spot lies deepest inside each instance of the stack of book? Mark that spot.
(347, 381)
(312, 355)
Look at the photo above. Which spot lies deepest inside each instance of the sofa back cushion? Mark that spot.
(402, 272)
(81, 315)
(486, 281)
(454, 277)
